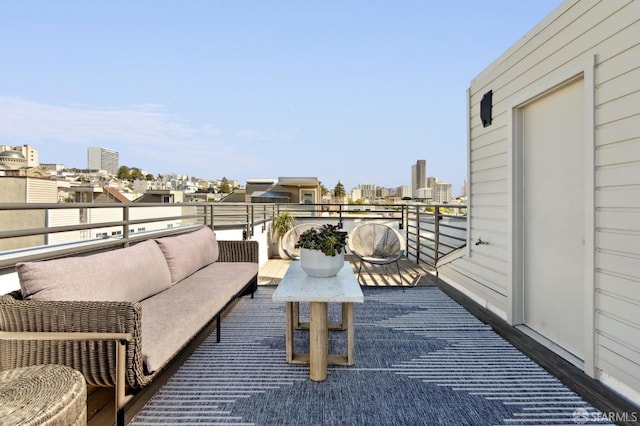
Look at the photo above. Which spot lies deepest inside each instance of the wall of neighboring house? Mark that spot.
(69, 217)
(21, 190)
(585, 56)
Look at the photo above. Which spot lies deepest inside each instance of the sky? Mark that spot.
(353, 91)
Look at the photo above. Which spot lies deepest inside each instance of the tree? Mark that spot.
(339, 191)
(225, 188)
(136, 174)
(124, 173)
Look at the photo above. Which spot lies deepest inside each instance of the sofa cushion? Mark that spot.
(187, 253)
(171, 318)
(123, 275)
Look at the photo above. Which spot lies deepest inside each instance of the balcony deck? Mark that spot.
(100, 401)
(100, 404)
(412, 274)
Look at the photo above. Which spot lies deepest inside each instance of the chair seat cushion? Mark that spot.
(171, 318)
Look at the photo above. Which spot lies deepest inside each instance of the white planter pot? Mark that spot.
(317, 264)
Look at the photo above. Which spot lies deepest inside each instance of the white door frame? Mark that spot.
(583, 68)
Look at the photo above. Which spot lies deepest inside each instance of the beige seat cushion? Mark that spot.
(123, 275)
(190, 252)
(171, 318)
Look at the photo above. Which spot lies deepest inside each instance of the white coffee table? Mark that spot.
(297, 286)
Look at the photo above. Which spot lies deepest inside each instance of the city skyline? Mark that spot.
(351, 92)
(106, 159)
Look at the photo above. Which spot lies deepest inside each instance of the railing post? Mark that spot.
(436, 230)
(418, 227)
(212, 215)
(125, 225)
(247, 233)
(252, 219)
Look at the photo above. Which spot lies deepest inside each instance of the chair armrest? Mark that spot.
(81, 335)
(64, 336)
(238, 251)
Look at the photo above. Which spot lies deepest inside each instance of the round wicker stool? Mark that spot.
(43, 395)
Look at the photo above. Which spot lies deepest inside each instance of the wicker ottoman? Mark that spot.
(43, 395)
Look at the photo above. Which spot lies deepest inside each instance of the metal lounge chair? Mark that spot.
(290, 239)
(377, 244)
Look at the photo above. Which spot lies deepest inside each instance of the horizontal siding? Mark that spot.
(614, 284)
(617, 87)
(621, 108)
(489, 225)
(104, 215)
(619, 153)
(618, 130)
(623, 196)
(619, 262)
(65, 217)
(465, 273)
(617, 175)
(493, 187)
(624, 322)
(609, 31)
(619, 219)
(42, 191)
(617, 365)
(489, 150)
(498, 212)
(619, 241)
(617, 181)
(62, 217)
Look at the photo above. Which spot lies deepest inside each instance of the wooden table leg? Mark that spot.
(343, 324)
(296, 315)
(348, 317)
(289, 321)
(318, 341)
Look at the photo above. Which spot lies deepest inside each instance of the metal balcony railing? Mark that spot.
(42, 231)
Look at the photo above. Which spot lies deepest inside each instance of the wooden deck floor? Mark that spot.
(100, 402)
(371, 275)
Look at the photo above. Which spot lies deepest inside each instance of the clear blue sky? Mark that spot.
(345, 90)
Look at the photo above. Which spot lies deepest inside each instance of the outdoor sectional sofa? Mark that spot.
(137, 306)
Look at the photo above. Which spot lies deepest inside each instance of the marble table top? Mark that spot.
(297, 286)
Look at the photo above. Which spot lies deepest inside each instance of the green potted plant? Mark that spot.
(280, 225)
(322, 250)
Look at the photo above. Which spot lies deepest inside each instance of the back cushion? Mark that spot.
(123, 275)
(187, 253)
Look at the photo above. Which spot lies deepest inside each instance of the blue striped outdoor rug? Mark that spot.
(420, 359)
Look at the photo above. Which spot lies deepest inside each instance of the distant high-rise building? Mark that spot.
(418, 177)
(431, 181)
(368, 190)
(403, 191)
(424, 194)
(442, 193)
(99, 158)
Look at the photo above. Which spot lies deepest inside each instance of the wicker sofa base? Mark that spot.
(102, 340)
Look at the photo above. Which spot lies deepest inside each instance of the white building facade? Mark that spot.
(554, 189)
(99, 158)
